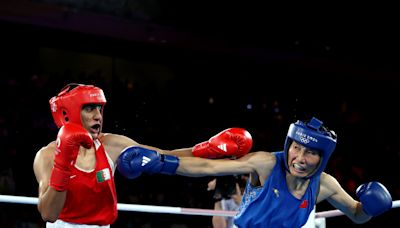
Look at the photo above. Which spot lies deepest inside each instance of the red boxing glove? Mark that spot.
(232, 142)
(70, 137)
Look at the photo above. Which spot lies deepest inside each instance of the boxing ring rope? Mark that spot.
(334, 213)
(133, 207)
(169, 210)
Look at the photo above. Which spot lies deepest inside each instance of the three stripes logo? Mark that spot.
(145, 160)
(222, 147)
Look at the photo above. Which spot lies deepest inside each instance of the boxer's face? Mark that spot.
(302, 161)
(92, 119)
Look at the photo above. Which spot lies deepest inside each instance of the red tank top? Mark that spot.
(91, 196)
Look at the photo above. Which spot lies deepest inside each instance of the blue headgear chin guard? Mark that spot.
(314, 135)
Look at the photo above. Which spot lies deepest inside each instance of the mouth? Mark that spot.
(95, 128)
(298, 168)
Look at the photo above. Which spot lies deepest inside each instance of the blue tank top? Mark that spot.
(272, 205)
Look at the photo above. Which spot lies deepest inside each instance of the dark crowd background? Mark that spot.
(176, 73)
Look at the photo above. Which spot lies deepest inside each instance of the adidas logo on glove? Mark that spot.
(145, 160)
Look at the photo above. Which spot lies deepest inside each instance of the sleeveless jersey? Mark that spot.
(272, 205)
(91, 196)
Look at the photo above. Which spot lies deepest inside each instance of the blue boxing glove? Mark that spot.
(375, 198)
(134, 160)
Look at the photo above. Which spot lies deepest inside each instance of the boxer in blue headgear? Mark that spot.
(284, 186)
(313, 135)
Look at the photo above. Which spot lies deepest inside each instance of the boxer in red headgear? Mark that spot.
(66, 106)
(76, 171)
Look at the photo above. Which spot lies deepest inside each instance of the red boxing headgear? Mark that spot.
(67, 105)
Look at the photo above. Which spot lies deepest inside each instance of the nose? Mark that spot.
(97, 114)
(301, 155)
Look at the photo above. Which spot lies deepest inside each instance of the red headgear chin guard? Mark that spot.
(67, 105)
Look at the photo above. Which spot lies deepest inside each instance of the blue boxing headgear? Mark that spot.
(313, 135)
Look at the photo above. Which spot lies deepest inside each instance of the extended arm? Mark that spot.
(136, 159)
(229, 143)
(197, 167)
(115, 144)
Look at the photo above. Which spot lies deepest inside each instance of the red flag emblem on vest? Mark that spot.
(304, 204)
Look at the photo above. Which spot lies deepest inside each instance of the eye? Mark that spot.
(91, 107)
(313, 152)
(88, 108)
(296, 147)
(99, 107)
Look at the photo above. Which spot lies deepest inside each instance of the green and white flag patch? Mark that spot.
(103, 175)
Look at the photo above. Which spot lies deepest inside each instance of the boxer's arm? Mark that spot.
(340, 199)
(135, 160)
(256, 162)
(51, 201)
(115, 144)
(183, 152)
(229, 143)
(218, 221)
(240, 140)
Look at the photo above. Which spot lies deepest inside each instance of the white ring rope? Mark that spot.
(334, 213)
(169, 210)
(133, 207)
